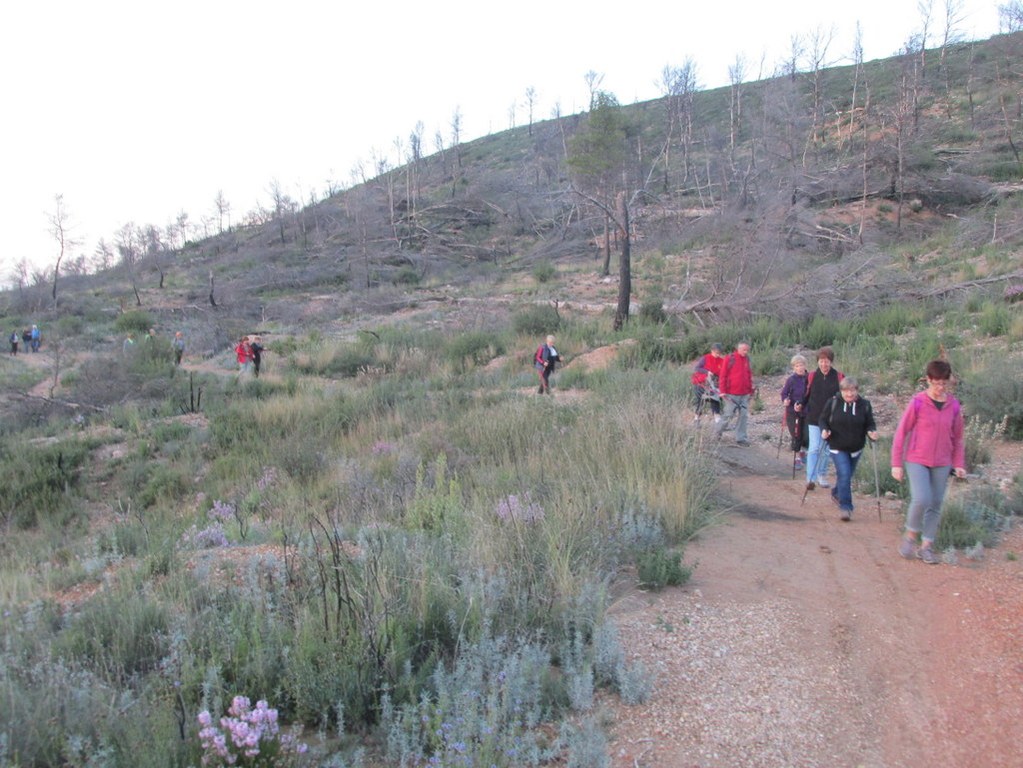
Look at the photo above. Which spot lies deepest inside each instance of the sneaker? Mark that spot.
(717, 418)
(927, 555)
(798, 463)
(823, 483)
(846, 516)
(907, 548)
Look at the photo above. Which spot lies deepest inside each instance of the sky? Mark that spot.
(137, 110)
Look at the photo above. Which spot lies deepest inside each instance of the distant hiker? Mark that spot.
(35, 337)
(846, 422)
(545, 359)
(151, 336)
(26, 337)
(14, 342)
(243, 353)
(178, 345)
(821, 386)
(705, 378)
(256, 347)
(928, 446)
(128, 345)
(736, 385)
(792, 395)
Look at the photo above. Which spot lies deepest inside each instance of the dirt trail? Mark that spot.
(805, 641)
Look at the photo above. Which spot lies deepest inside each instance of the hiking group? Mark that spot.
(828, 422)
(249, 354)
(30, 337)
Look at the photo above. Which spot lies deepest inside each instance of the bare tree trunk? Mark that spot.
(625, 265)
(213, 301)
(605, 269)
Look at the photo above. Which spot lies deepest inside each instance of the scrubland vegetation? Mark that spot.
(389, 538)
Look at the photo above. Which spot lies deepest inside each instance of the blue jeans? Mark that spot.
(845, 468)
(814, 450)
(926, 492)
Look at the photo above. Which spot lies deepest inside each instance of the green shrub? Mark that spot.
(995, 319)
(134, 321)
(537, 320)
(40, 482)
(661, 568)
(991, 395)
(978, 517)
(119, 634)
(651, 311)
(544, 272)
(473, 348)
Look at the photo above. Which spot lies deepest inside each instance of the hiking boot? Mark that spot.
(547, 390)
(927, 555)
(846, 516)
(539, 390)
(907, 548)
(742, 443)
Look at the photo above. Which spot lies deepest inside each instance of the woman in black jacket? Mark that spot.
(846, 422)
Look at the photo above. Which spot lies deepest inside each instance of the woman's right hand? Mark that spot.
(897, 473)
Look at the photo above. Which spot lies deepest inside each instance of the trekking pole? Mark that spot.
(877, 482)
(816, 468)
(798, 429)
(781, 434)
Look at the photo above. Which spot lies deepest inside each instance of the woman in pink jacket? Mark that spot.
(927, 447)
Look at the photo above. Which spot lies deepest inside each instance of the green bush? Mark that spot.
(473, 349)
(135, 321)
(544, 272)
(119, 634)
(536, 320)
(992, 395)
(978, 517)
(661, 568)
(40, 482)
(651, 311)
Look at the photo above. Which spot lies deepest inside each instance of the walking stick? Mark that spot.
(816, 468)
(798, 429)
(877, 482)
(781, 435)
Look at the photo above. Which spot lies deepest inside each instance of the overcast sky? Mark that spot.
(137, 110)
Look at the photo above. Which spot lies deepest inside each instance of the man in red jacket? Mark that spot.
(736, 385)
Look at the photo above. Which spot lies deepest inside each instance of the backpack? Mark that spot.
(538, 357)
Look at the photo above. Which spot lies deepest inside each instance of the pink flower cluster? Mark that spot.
(247, 737)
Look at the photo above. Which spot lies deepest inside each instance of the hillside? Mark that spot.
(416, 559)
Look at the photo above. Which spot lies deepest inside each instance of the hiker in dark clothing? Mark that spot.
(821, 386)
(846, 422)
(26, 338)
(14, 342)
(545, 359)
(792, 395)
(256, 346)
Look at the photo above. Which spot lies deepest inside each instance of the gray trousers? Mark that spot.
(926, 492)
